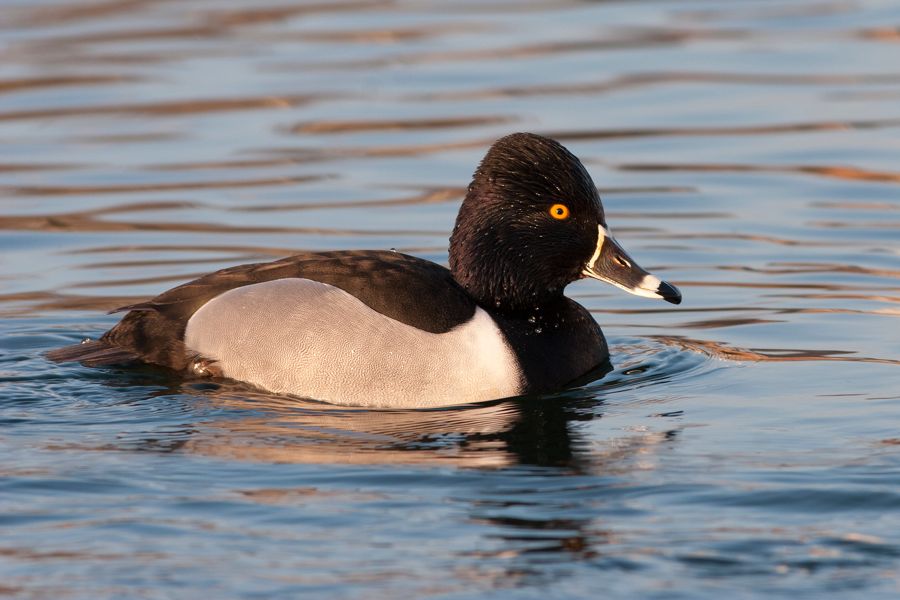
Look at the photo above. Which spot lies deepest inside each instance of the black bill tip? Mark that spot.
(669, 292)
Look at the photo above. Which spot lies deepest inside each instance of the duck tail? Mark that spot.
(93, 354)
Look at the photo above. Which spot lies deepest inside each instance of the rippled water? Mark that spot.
(747, 442)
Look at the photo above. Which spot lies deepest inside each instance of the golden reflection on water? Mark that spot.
(166, 109)
(641, 80)
(30, 303)
(325, 127)
(153, 187)
(726, 351)
(835, 172)
(16, 85)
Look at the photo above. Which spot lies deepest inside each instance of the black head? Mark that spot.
(530, 224)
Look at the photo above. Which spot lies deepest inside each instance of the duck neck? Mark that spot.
(498, 273)
(505, 295)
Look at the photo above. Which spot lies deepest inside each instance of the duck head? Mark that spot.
(531, 223)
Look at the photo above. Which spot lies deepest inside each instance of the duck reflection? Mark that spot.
(232, 420)
(502, 433)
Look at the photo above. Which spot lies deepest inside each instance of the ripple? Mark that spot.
(725, 351)
(633, 81)
(793, 268)
(88, 221)
(773, 129)
(831, 172)
(881, 34)
(646, 361)
(430, 196)
(47, 190)
(169, 108)
(389, 35)
(33, 303)
(34, 83)
(339, 127)
(52, 15)
(25, 167)
(620, 40)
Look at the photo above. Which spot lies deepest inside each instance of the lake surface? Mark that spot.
(747, 442)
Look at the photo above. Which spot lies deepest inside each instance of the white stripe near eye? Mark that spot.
(602, 234)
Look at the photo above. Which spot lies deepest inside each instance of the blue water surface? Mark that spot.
(745, 444)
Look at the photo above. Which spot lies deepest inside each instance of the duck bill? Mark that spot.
(610, 263)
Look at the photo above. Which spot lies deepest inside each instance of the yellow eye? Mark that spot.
(559, 211)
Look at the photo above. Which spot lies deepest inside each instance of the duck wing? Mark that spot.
(411, 290)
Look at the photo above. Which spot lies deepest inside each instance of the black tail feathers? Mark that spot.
(93, 354)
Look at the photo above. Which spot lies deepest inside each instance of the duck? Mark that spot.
(380, 328)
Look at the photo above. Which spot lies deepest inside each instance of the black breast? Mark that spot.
(556, 345)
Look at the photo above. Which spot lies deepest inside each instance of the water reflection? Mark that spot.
(264, 428)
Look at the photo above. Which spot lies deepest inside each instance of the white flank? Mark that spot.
(303, 337)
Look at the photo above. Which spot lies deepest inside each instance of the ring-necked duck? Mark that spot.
(380, 328)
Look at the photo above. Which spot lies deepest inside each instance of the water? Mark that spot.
(747, 442)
